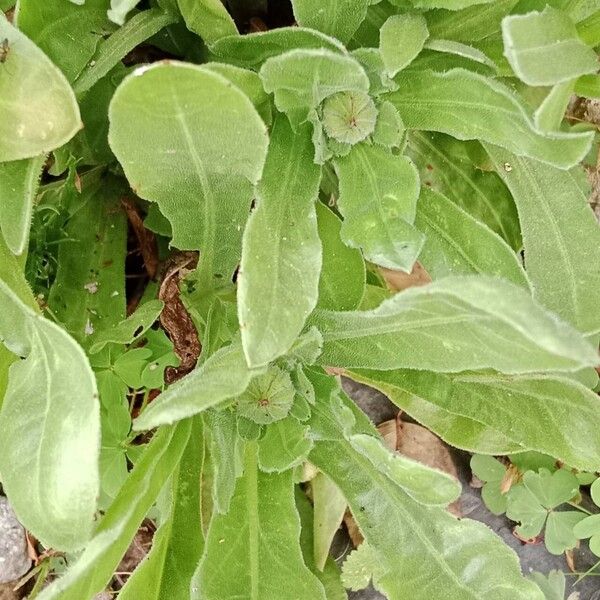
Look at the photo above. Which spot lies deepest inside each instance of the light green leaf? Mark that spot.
(285, 445)
(68, 34)
(401, 38)
(553, 585)
(458, 49)
(423, 484)
(549, 114)
(448, 4)
(166, 571)
(20, 181)
(458, 244)
(349, 117)
(208, 18)
(360, 565)
(440, 327)
(551, 489)
(492, 413)
(223, 376)
(342, 282)
(30, 86)
(91, 262)
(95, 567)
(469, 106)
(281, 250)
(302, 79)
(129, 330)
(226, 455)
(543, 48)
(253, 49)
(445, 166)
(338, 18)
(261, 526)
(492, 473)
(389, 128)
(561, 237)
(119, 10)
(406, 535)
(50, 428)
(378, 197)
(329, 508)
(179, 153)
(137, 30)
(588, 86)
(330, 575)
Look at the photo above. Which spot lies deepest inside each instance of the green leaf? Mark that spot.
(302, 79)
(222, 377)
(91, 262)
(119, 9)
(261, 525)
(458, 244)
(588, 86)
(110, 52)
(281, 250)
(342, 282)
(339, 18)
(491, 472)
(50, 428)
(181, 131)
(226, 455)
(559, 535)
(208, 18)
(405, 535)
(492, 413)
(449, 4)
(253, 49)
(330, 575)
(378, 198)
(469, 106)
(285, 445)
(423, 484)
(68, 34)
(166, 571)
(549, 114)
(32, 86)
(360, 565)
(445, 166)
(543, 48)
(20, 182)
(401, 39)
(129, 330)
(268, 397)
(95, 567)
(329, 508)
(349, 117)
(440, 327)
(561, 237)
(462, 50)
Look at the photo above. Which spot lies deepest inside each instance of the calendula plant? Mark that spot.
(200, 206)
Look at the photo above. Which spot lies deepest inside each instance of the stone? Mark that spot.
(14, 560)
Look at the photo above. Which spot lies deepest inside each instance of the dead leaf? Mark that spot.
(174, 317)
(512, 475)
(534, 541)
(397, 281)
(145, 238)
(356, 537)
(570, 558)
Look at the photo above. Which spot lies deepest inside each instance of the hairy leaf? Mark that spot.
(401, 39)
(253, 49)
(441, 327)
(469, 106)
(281, 250)
(338, 18)
(543, 48)
(378, 197)
(179, 153)
(561, 237)
(31, 86)
(208, 18)
(94, 568)
(167, 570)
(286, 444)
(498, 413)
(458, 244)
(223, 376)
(301, 79)
(261, 525)
(20, 181)
(50, 428)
